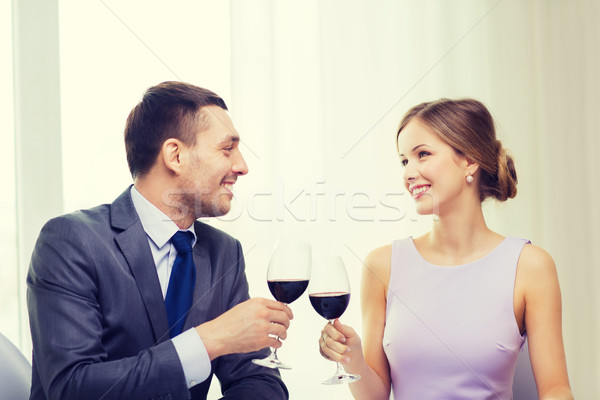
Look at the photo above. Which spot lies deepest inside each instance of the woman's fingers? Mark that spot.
(331, 344)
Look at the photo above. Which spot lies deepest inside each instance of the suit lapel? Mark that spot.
(133, 242)
(200, 302)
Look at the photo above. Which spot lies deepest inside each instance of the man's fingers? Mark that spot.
(280, 317)
(278, 330)
(279, 306)
(274, 342)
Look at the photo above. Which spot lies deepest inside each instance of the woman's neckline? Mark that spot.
(484, 257)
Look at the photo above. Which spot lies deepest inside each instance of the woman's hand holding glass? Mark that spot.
(329, 292)
(340, 343)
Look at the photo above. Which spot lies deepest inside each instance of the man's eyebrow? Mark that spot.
(230, 139)
(414, 148)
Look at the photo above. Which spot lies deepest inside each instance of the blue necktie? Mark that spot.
(181, 284)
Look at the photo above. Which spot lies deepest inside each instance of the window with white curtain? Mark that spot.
(10, 284)
(110, 53)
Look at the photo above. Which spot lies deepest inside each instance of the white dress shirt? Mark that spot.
(159, 228)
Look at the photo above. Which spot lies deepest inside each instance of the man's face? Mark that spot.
(212, 166)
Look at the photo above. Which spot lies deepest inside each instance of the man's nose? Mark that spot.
(239, 166)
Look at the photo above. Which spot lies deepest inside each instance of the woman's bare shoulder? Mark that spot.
(536, 271)
(380, 255)
(377, 264)
(535, 260)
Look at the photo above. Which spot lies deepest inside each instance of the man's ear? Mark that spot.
(170, 155)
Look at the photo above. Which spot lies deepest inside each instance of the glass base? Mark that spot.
(271, 362)
(338, 379)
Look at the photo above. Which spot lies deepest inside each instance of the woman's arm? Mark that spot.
(341, 343)
(543, 322)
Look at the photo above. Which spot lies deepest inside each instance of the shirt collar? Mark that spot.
(158, 226)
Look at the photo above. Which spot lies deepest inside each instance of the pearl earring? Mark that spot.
(469, 178)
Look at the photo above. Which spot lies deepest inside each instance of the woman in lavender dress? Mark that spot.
(445, 314)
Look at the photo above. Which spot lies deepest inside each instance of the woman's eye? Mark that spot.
(423, 154)
(404, 162)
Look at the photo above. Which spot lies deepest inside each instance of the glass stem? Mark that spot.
(275, 350)
(340, 370)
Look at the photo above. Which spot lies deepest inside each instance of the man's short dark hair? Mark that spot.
(167, 110)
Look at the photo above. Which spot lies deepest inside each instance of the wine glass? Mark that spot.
(287, 278)
(329, 293)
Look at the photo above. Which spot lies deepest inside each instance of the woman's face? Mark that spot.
(435, 174)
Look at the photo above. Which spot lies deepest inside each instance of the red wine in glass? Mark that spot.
(330, 305)
(287, 278)
(287, 290)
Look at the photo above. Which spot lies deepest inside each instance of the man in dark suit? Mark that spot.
(100, 279)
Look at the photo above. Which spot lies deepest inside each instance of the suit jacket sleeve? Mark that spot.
(239, 377)
(66, 296)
